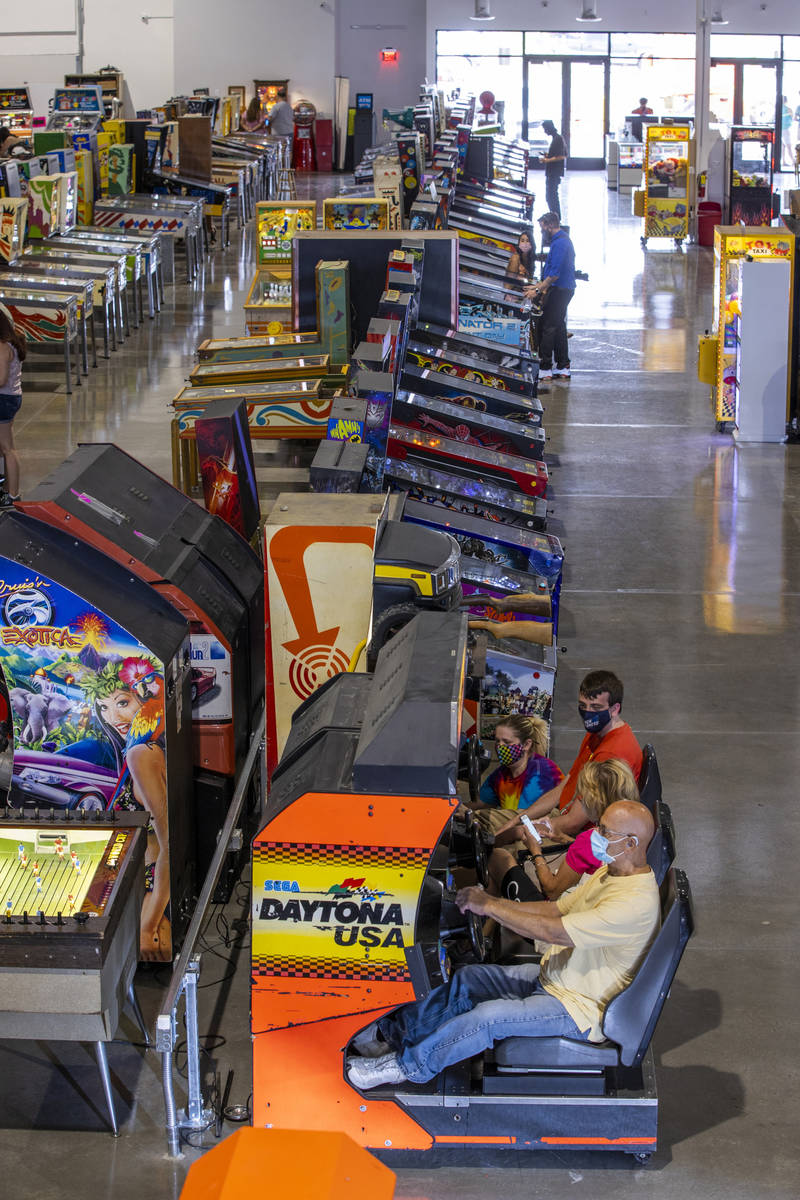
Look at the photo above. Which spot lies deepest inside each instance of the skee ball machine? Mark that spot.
(204, 570)
(98, 670)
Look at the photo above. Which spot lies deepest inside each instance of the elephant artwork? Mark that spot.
(41, 713)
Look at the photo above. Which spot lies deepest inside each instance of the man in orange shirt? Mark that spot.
(607, 736)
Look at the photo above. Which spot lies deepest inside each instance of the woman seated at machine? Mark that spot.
(10, 145)
(525, 773)
(528, 875)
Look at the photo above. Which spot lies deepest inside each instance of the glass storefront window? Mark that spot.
(580, 42)
(478, 41)
(667, 83)
(474, 73)
(740, 45)
(791, 48)
(652, 45)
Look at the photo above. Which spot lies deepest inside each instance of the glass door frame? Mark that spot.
(532, 60)
(738, 65)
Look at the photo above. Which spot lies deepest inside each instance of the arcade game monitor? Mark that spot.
(98, 671)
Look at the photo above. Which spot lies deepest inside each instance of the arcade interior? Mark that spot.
(304, 515)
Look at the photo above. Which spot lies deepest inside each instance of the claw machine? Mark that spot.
(738, 327)
(268, 307)
(666, 181)
(751, 155)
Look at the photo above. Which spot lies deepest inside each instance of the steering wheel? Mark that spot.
(473, 769)
(455, 924)
(479, 852)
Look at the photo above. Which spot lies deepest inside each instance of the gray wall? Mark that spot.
(358, 50)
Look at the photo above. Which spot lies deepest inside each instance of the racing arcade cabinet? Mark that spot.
(354, 914)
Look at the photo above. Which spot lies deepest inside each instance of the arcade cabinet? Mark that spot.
(205, 571)
(354, 914)
(98, 669)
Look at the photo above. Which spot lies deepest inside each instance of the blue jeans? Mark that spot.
(478, 1007)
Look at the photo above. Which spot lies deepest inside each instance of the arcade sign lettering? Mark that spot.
(362, 922)
(42, 635)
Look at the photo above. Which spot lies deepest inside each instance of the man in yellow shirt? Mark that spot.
(598, 935)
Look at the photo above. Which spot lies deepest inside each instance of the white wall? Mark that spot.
(115, 35)
(237, 41)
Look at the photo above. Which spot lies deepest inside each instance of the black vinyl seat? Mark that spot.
(650, 779)
(631, 1016)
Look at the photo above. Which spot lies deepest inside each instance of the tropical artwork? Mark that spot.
(87, 705)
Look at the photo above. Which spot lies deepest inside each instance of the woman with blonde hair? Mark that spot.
(530, 876)
(525, 772)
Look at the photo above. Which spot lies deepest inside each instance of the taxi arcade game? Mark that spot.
(354, 914)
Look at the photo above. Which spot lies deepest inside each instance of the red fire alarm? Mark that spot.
(389, 55)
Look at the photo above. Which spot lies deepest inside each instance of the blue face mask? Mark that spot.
(600, 846)
(594, 722)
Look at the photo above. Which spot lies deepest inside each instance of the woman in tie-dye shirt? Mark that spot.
(524, 774)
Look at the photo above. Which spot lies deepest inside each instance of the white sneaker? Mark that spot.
(561, 374)
(365, 1073)
(369, 1043)
(545, 374)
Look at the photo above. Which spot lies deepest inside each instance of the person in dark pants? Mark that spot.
(554, 166)
(556, 289)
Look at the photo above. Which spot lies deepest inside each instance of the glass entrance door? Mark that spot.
(746, 93)
(571, 92)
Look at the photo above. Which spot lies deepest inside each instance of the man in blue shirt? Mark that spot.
(557, 289)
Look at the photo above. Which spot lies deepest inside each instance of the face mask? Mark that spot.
(594, 722)
(508, 755)
(600, 846)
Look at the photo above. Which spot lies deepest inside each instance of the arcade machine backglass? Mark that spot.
(16, 111)
(98, 670)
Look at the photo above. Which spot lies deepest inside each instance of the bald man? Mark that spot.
(598, 935)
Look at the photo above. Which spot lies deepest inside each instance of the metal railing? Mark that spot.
(187, 969)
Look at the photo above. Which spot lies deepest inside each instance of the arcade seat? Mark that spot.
(649, 779)
(630, 1018)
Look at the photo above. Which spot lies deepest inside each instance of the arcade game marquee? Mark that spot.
(354, 913)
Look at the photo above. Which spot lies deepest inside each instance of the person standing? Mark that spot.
(12, 355)
(642, 111)
(556, 289)
(554, 166)
(281, 117)
(253, 119)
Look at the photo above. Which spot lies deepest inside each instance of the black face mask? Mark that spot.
(594, 722)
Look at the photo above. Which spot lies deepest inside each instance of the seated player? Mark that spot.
(528, 876)
(598, 934)
(524, 774)
(10, 144)
(607, 736)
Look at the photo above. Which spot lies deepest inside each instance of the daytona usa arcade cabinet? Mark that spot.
(354, 914)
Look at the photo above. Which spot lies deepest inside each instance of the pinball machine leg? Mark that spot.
(84, 344)
(93, 336)
(68, 362)
(133, 1000)
(126, 311)
(102, 1063)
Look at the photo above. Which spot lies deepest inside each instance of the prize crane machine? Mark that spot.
(666, 175)
(744, 331)
(751, 151)
(303, 157)
(354, 914)
(16, 111)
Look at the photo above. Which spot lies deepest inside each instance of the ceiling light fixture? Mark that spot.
(589, 11)
(482, 11)
(718, 17)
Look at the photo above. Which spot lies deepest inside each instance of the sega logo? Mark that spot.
(281, 885)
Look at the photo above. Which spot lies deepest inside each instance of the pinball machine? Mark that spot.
(98, 670)
(16, 111)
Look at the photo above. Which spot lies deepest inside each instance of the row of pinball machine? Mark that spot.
(383, 621)
(94, 208)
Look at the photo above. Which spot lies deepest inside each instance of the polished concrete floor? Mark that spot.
(683, 574)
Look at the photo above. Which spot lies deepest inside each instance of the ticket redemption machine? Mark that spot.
(354, 914)
(666, 174)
